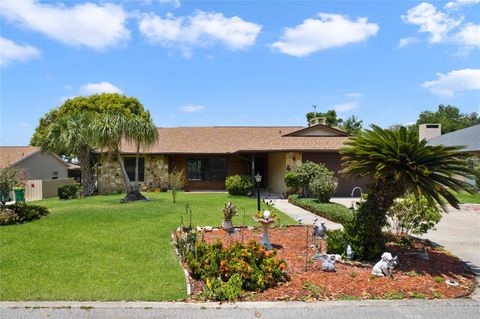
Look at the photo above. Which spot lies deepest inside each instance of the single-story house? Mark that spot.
(468, 137)
(207, 155)
(33, 162)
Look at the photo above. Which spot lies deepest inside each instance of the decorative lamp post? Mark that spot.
(258, 179)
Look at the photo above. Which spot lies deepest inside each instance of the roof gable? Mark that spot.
(318, 130)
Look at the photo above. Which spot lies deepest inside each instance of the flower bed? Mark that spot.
(415, 277)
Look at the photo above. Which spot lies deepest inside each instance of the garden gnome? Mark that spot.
(384, 268)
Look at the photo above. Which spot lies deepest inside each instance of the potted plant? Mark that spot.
(229, 210)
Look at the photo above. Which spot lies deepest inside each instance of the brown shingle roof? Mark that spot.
(12, 154)
(232, 139)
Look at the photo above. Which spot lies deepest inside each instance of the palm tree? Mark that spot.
(396, 162)
(71, 134)
(144, 133)
(111, 129)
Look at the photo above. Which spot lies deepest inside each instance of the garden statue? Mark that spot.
(319, 233)
(328, 263)
(384, 268)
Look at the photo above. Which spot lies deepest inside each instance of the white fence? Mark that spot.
(36, 189)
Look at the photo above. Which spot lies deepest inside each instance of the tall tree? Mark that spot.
(330, 116)
(352, 125)
(112, 129)
(449, 117)
(71, 135)
(396, 162)
(70, 128)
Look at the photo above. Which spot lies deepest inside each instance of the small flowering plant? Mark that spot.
(229, 211)
(258, 269)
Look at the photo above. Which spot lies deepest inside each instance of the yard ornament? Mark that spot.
(384, 268)
(328, 263)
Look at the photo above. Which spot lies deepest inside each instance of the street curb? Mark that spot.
(87, 305)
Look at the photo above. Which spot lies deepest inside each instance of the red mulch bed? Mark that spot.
(414, 278)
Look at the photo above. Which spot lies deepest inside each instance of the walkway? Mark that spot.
(307, 217)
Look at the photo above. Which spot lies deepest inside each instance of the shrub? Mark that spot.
(176, 181)
(476, 172)
(336, 242)
(239, 184)
(21, 212)
(258, 269)
(9, 178)
(292, 180)
(223, 291)
(332, 211)
(413, 215)
(323, 186)
(69, 191)
(306, 173)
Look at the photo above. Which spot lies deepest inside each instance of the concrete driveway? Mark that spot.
(459, 232)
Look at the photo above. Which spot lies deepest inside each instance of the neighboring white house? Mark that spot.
(45, 173)
(33, 162)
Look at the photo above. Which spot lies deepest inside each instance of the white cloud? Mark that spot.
(469, 35)
(459, 3)
(356, 95)
(327, 31)
(97, 88)
(86, 24)
(199, 29)
(192, 108)
(24, 124)
(11, 51)
(344, 107)
(407, 41)
(454, 81)
(431, 20)
(174, 3)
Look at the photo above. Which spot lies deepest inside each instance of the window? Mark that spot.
(130, 168)
(207, 169)
(55, 175)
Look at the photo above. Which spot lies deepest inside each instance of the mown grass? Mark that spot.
(99, 249)
(466, 198)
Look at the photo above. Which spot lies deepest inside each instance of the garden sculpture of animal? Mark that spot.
(328, 263)
(319, 231)
(384, 268)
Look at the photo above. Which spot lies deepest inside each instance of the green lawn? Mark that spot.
(466, 198)
(99, 249)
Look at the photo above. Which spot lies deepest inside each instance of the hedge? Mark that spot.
(332, 211)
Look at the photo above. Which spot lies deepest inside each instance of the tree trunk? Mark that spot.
(136, 168)
(366, 230)
(132, 194)
(88, 179)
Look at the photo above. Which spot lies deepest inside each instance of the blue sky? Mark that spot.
(239, 62)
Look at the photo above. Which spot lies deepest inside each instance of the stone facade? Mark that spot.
(293, 160)
(110, 178)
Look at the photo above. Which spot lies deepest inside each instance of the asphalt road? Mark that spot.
(418, 309)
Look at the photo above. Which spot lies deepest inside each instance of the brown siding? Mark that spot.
(235, 165)
(332, 162)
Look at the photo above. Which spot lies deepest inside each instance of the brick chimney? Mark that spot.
(429, 131)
